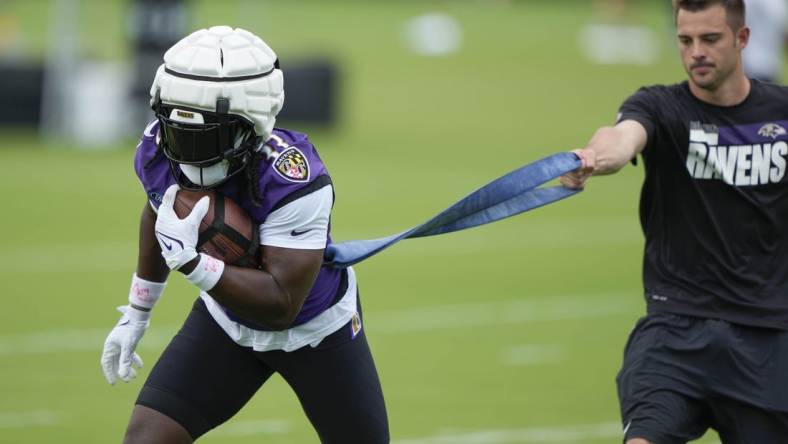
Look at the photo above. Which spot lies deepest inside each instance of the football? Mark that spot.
(226, 232)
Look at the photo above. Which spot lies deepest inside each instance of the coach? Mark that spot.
(712, 352)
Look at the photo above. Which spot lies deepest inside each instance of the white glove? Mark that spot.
(119, 358)
(178, 237)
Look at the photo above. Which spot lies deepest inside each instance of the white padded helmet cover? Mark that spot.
(222, 53)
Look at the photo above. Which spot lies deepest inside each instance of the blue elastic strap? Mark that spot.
(506, 196)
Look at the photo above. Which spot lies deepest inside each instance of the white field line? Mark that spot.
(570, 434)
(526, 355)
(57, 341)
(37, 418)
(250, 428)
(69, 258)
(398, 321)
(505, 312)
(566, 434)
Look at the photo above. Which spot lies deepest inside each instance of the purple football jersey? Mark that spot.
(296, 171)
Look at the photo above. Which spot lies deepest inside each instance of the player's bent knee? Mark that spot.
(151, 427)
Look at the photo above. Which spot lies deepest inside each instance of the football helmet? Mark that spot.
(216, 97)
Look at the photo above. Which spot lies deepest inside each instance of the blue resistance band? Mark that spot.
(506, 196)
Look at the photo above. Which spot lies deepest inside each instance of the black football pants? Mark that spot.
(203, 378)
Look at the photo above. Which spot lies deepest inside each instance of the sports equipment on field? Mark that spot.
(216, 96)
(118, 360)
(511, 194)
(226, 232)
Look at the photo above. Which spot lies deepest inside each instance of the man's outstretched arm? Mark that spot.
(609, 149)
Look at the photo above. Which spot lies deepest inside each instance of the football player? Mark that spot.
(216, 98)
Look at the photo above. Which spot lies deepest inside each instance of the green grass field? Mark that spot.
(509, 333)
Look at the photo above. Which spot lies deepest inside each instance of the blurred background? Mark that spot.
(508, 333)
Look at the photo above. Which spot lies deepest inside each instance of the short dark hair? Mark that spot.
(734, 10)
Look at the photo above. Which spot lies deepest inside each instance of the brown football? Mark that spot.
(226, 232)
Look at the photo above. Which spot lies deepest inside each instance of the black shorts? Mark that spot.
(682, 375)
(203, 378)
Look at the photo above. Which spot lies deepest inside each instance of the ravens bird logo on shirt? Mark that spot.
(772, 130)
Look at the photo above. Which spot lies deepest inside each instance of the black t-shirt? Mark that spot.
(714, 204)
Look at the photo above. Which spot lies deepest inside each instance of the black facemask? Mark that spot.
(204, 144)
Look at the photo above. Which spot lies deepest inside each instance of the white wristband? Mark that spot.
(144, 294)
(207, 272)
